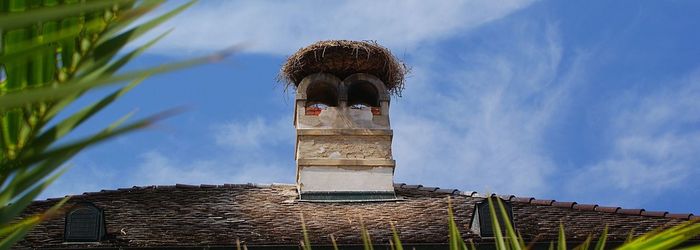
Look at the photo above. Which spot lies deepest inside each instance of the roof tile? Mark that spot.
(654, 213)
(585, 207)
(607, 209)
(506, 197)
(185, 186)
(480, 195)
(429, 189)
(679, 216)
(411, 186)
(468, 193)
(542, 202)
(565, 204)
(523, 199)
(630, 211)
(447, 191)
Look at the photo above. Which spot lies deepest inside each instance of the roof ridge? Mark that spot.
(176, 186)
(512, 198)
(554, 203)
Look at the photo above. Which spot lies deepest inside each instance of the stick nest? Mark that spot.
(343, 58)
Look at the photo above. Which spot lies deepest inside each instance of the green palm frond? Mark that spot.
(52, 53)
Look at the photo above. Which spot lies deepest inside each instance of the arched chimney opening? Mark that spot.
(321, 95)
(362, 93)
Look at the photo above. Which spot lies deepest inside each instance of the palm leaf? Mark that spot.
(396, 242)
(18, 99)
(23, 19)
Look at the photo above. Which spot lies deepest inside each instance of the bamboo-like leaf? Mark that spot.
(49, 37)
(96, 138)
(52, 56)
(128, 17)
(666, 239)
(561, 243)
(101, 68)
(6, 243)
(522, 241)
(67, 125)
(11, 211)
(306, 243)
(513, 237)
(456, 241)
(500, 242)
(111, 45)
(395, 238)
(364, 234)
(696, 247)
(25, 179)
(105, 71)
(17, 99)
(22, 19)
(630, 236)
(335, 244)
(600, 245)
(27, 222)
(586, 243)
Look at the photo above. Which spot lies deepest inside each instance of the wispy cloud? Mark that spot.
(253, 134)
(246, 152)
(282, 27)
(480, 125)
(655, 146)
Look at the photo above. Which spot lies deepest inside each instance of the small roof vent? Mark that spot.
(84, 223)
(482, 223)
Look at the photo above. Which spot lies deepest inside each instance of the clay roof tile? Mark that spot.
(654, 213)
(630, 211)
(447, 191)
(523, 199)
(429, 189)
(585, 207)
(411, 186)
(679, 216)
(607, 209)
(564, 204)
(542, 202)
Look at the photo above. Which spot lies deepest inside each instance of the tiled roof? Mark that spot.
(217, 215)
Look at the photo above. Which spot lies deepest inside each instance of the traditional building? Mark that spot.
(344, 181)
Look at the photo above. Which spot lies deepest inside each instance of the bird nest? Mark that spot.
(343, 58)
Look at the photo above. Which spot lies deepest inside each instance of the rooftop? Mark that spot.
(217, 215)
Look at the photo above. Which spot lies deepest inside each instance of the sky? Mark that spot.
(586, 101)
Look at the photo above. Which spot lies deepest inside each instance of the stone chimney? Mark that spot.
(343, 142)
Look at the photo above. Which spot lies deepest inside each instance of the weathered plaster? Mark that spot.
(346, 147)
(345, 178)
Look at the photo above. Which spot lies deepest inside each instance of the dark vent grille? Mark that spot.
(84, 223)
(347, 196)
(481, 222)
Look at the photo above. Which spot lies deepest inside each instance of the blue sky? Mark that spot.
(590, 101)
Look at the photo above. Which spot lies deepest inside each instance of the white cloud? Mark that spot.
(282, 27)
(655, 146)
(247, 154)
(481, 126)
(253, 134)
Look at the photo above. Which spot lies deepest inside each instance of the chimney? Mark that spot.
(343, 142)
